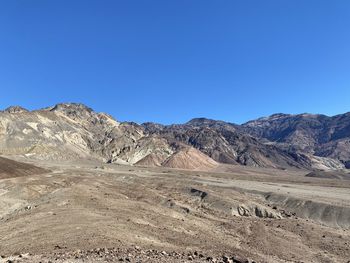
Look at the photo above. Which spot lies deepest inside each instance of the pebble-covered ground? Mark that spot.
(135, 255)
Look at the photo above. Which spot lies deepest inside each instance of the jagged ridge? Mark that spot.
(73, 131)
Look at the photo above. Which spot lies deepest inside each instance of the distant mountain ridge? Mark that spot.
(73, 130)
(317, 134)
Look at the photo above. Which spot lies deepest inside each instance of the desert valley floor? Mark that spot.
(93, 212)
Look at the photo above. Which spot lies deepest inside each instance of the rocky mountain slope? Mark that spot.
(224, 143)
(74, 131)
(318, 135)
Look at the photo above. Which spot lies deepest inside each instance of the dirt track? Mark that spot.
(247, 213)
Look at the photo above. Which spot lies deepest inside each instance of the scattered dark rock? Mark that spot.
(199, 193)
(134, 254)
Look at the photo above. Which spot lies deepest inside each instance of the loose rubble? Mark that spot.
(135, 254)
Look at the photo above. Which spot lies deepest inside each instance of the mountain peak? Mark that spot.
(152, 126)
(15, 109)
(71, 106)
(201, 121)
(72, 110)
(279, 115)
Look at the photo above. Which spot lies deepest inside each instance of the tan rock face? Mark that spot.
(73, 131)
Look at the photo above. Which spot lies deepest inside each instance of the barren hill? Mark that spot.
(316, 134)
(10, 168)
(226, 143)
(71, 131)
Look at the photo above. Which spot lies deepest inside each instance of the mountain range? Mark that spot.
(69, 131)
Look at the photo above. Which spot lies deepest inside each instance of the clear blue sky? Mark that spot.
(171, 60)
